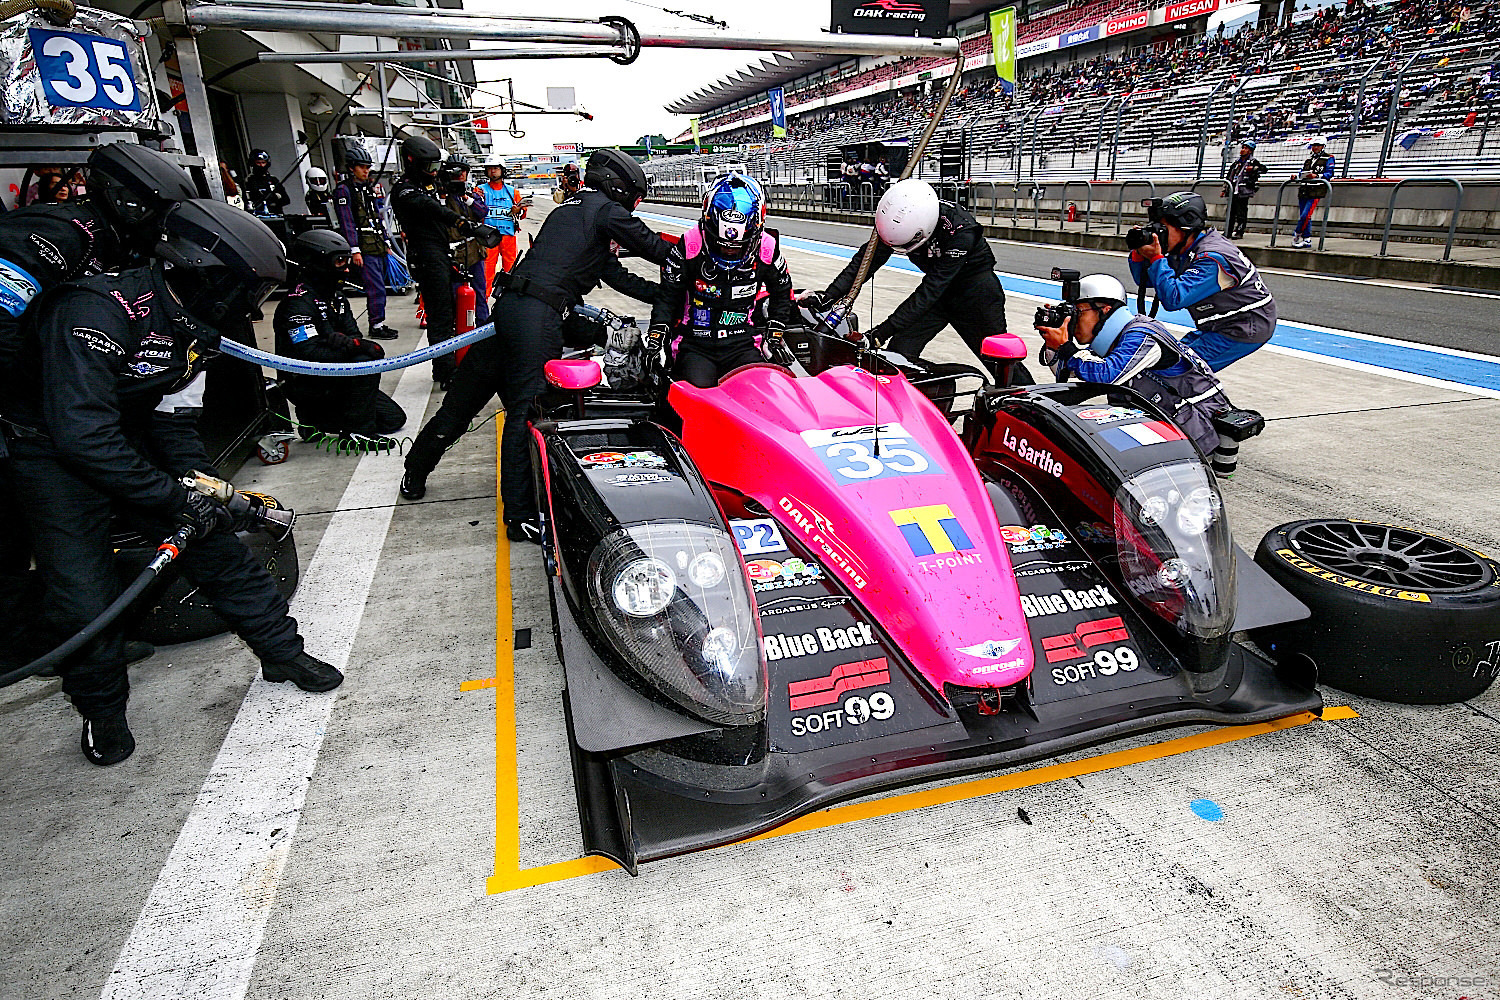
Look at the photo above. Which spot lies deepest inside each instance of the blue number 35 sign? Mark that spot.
(84, 71)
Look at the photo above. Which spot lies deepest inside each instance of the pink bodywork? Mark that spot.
(1005, 346)
(956, 612)
(574, 373)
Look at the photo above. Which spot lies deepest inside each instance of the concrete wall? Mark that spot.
(272, 122)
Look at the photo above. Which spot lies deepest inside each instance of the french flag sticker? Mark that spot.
(1134, 435)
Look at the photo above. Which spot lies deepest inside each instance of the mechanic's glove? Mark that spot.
(814, 300)
(488, 236)
(366, 350)
(656, 339)
(777, 348)
(204, 514)
(877, 335)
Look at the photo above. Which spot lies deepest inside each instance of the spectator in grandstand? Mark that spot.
(1201, 271)
(1318, 167)
(1240, 185)
(958, 272)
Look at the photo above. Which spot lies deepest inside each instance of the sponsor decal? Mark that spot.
(1105, 663)
(743, 291)
(95, 340)
(703, 287)
(1028, 49)
(305, 332)
(819, 530)
(781, 646)
(991, 668)
(849, 453)
(1046, 569)
(772, 574)
(1190, 8)
(1094, 532)
(879, 378)
(792, 605)
(931, 530)
(1344, 581)
(1073, 644)
(1040, 605)
(1135, 435)
(1038, 457)
(1109, 414)
(1130, 22)
(990, 649)
(153, 354)
(48, 250)
(137, 308)
(17, 288)
(640, 479)
(730, 318)
(626, 459)
(144, 369)
(1037, 538)
(818, 691)
(856, 711)
(158, 340)
(891, 9)
(1078, 37)
(702, 317)
(757, 536)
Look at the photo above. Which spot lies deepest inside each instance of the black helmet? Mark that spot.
(420, 156)
(256, 155)
(356, 155)
(321, 255)
(222, 262)
(1186, 210)
(617, 176)
(455, 170)
(132, 187)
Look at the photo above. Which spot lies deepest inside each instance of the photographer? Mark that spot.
(1193, 266)
(91, 437)
(1240, 185)
(958, 272)
(1093, 336)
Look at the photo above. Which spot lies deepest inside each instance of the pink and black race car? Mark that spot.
(792, 589)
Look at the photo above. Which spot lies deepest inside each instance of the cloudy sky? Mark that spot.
(626, 101)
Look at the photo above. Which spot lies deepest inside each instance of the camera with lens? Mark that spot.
(1054, 316)
(1138, 236)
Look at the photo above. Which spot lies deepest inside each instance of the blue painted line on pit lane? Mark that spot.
(1413, 359)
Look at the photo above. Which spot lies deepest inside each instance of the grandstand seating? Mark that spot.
(1291, 81)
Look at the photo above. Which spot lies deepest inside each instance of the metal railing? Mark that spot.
(1125, 186)
(1327, 197)
(1088, 211)
(1458, 201)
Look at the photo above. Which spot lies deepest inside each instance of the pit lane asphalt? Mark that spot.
(1454, 318)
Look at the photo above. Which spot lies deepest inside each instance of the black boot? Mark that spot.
(383, 332)
(307, 672)
(413, 486)
(106, 740)
(526, 529)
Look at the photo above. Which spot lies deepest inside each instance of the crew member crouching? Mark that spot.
(712, 283)
(315, 323)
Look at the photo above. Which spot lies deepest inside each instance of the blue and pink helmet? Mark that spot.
(734, 216)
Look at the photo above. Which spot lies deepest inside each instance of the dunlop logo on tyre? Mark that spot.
(1344, 581)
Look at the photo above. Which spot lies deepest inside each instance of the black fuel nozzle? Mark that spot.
(257, 511)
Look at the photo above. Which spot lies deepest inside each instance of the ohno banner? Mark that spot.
(890, 17)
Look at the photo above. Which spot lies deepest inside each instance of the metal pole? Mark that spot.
(1484, 133)
(1359, 106)
(1114, 142)
(436, 55)
(191, 67)
(1234, 99)
(1099, 135)
(1208, 109)
(1390, 115)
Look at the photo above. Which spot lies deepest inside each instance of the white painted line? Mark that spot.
(202, 925)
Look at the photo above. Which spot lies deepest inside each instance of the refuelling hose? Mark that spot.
(59, 12)
(166, 552)
(351, 368)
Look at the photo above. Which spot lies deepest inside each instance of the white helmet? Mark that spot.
(1101, 288)
(317, 180)
(1318, 140)
(907, 215)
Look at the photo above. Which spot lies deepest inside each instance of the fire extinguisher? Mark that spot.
(1072, 211)
(464, 302)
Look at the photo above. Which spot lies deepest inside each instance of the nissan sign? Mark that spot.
(1190, 8)
(890, 17)
(1130, 22)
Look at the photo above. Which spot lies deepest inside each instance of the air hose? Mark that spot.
(59, 12)
(166, 552)
(351, 368)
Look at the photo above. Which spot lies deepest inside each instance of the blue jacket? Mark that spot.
(1218, 286)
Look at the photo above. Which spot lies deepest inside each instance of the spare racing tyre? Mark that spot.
(1397, 614)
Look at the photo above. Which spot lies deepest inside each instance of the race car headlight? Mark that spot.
(668, 605)
(1175, 549)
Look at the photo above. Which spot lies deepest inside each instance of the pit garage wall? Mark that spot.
(273, 123)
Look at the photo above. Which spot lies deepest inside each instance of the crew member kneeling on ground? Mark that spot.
(711, 285)
(1201, 271)
(570, 254)
(1105, 342)
(314, 322)
(88, 441)
(958, 284)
